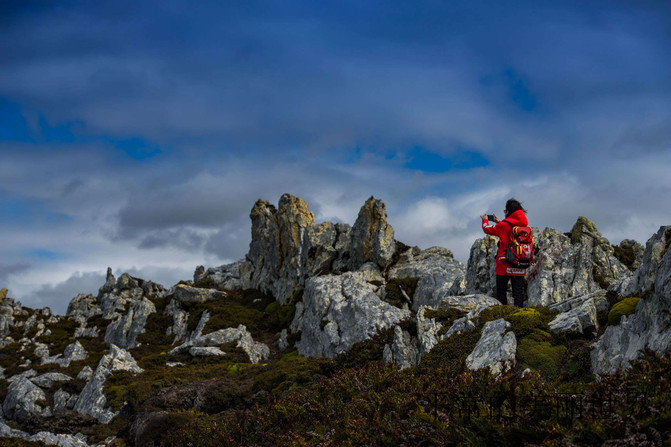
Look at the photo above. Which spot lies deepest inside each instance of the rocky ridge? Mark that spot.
(340, 286)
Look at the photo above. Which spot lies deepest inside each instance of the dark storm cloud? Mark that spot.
(57, 296)
(7, 270)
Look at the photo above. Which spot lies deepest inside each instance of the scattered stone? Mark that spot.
(61, 398)
(173, 364)
(73, 352)
(579, 314)
(467, 303)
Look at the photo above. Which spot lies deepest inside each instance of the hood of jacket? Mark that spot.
(518, 219)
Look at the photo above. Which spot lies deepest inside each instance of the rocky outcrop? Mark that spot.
(124, 331)
(481, 270)
(572, 266)
(92, 400)
(630, 253)
(372, 238)
(225, 276)
(579, 314)
(287, 246)
(338, 311)
(438, 274)
(494, 350)
(256, 351)
(650, 325)
(24, 400)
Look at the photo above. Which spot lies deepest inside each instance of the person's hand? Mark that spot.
(496, 219)
(483, 217)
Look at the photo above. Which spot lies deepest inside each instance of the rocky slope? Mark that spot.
(116, 368)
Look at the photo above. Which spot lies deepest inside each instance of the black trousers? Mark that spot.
(502, 288)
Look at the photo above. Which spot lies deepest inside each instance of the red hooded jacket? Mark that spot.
(502, 230)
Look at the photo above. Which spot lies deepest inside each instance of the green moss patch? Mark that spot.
(627, 306)
(626, 256)
(540, 356)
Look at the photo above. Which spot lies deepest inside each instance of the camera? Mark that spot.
(490, 217)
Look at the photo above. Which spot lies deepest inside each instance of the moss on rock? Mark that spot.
(581, 224)
(626, 306)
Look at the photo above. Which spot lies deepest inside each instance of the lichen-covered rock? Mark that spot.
(438, 274)
(225, 276)
(494, 350)
(92, 400)
(180, 319)
(403, 351)
(287, 246)
(85, 373)
(372, 238)
(61, 398)
(3, 293)
(24, 400)
(650, 325)
(338, 311)
(283, 341)
(255, 350)
(642, 282)
(577, 320)
(575, 266)
(82, 307)
(124, 331)
(481, 270)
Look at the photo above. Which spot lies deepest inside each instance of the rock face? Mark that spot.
(77, 440)
(438, 273)
(287, 246)
(92, 400)
(494, 350)
(650, 325)
(338, 311)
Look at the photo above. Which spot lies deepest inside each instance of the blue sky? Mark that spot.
(138, 135)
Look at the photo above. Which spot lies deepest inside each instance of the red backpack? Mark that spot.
(520, 251)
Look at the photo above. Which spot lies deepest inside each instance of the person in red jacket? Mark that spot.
(514, 217)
